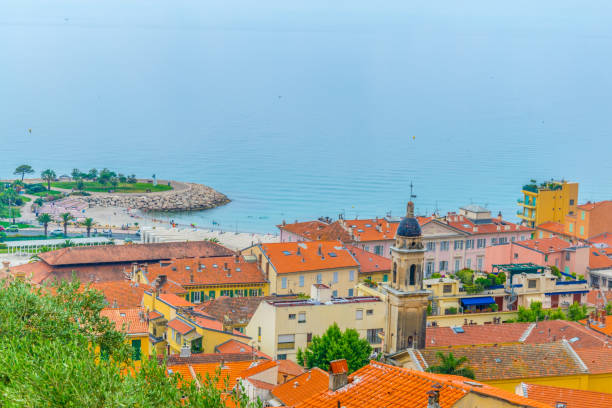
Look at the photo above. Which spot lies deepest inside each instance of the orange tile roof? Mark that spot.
(301, 387)
(338, 366)
(464, 224)
(211, 324)
(202, 358)
(554, 227)
(545, 245)
(289, 369)
(373, 229)
(605, 238)
(235, 346)
(41, 272)
(577, 334)
(572, 398)
(476, 334)
(122, 293)
(132, 253)
(514, 360)
(180, 326)
(230, 370)
(207, 271)
(605, 328)
(598, 259)
(285, 258)
(598, 360)
(258, 367)
(589, 206)
(307, 230)
(237, 310)
(129, 321)
(174, 300)
(599, 298)
(380, 385)
(368, 261)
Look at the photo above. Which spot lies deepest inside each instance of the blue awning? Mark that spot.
(487, 300)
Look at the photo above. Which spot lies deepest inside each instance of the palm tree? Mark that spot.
(451, 365)
(45, 219)
(48, 175)
(65, 217)
(88, 223)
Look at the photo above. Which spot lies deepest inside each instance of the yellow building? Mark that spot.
(201, 279)
(280, 327)
(176, 326)
(132, 322)
(548, 202)
(292, 267)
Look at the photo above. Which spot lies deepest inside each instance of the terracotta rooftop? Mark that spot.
(287, 257)
(598, 259)
(257, 367)
(368, 261)
(599, 298)
(288, 369)
(545, 245)
(122, 294)
(514, 361)
(598, 360)
(175, 359)
(180, 326)
(129, 321)
(554, 227)
(589, 206)
(238, 310)
(207, 271)
(212, 324)
(368, 230)
(233, 346)
(575, 333)
(380, 385)
(571, 397)
(174, 300)
(495, 226)
(132, 253)
(302, 387)
(42, 273)
(232, 370)
(605, 238)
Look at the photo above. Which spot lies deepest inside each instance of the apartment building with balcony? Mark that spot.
(547, 202)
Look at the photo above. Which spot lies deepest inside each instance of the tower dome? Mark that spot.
(409, 226)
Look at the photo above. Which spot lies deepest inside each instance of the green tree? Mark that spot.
(76, 174)
(88, 223)
(114, 181)
(122, 178)
(23, 170)
(333, 345)
(577, 312)
(48, 176)
(65, 219)
(49, 358)
(451, 365)
(92, 174)
(536, 313)
(44, 219)
(131, 179)
(80, 185)
(555, 271)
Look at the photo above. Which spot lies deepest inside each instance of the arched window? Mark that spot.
(394, 272)
(412, 274)
(410, 341)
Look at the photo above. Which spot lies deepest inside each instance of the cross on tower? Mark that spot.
(411, 195)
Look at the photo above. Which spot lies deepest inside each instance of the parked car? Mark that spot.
(56, 233)
(12, 228)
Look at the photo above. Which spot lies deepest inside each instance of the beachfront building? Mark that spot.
(280, 327)
(548, 251)
(199, 279)
(292, 267)
(548, 202)
(176, 327)
(459, 241)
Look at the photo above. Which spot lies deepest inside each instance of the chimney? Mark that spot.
(134, 268)
(338, 377)
(161, 279)
(433, 396)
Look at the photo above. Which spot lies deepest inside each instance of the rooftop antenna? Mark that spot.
(411, 195)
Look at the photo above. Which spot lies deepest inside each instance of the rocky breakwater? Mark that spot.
(183, 197)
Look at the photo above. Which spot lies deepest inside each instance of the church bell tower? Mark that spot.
(406, 300)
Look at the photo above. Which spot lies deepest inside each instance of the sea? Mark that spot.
(300, 109)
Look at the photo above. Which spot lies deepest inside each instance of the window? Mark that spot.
(301, 281)
(229, 293)
(479, 263)
(481, 243)
(458, 245)
(567, 256)
(443, 265)
(351, 275)
(493, 241)
(196, 345)
(286, 341)
(291, 316)
(503, 240)
(431, 246)
(284, 283)
(136, 350)
(350, 292)
(412, 274)
(540, 234)
(302, 317)
(319, 278)
(211, 294)
(385, 278)
(369, 312)
(457, 264)
(394, 272)
(513, 238)
(571, 202)
(567, 269)
(253, 292)
(177, 336)
(335, 293)
(444, 246)
(281, 356)
(582, 215)
(582, 230)
(308, 337)
(469, 244)
(373, 336)
(378, 249)
(429, 268)
(468, 263)
(516, 255)
(531, 283)
(448, 288)
(359, 314)
(571, 227)
(335, 278)
(195, 297)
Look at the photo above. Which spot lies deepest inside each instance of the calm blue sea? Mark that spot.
(297, 109)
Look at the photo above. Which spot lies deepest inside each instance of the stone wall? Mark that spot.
(183, 197)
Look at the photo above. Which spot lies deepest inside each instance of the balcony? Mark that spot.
(525, 217)
(525, 203)
(286, 346)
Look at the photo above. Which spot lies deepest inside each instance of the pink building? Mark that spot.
(547, 252)
(459, 241)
